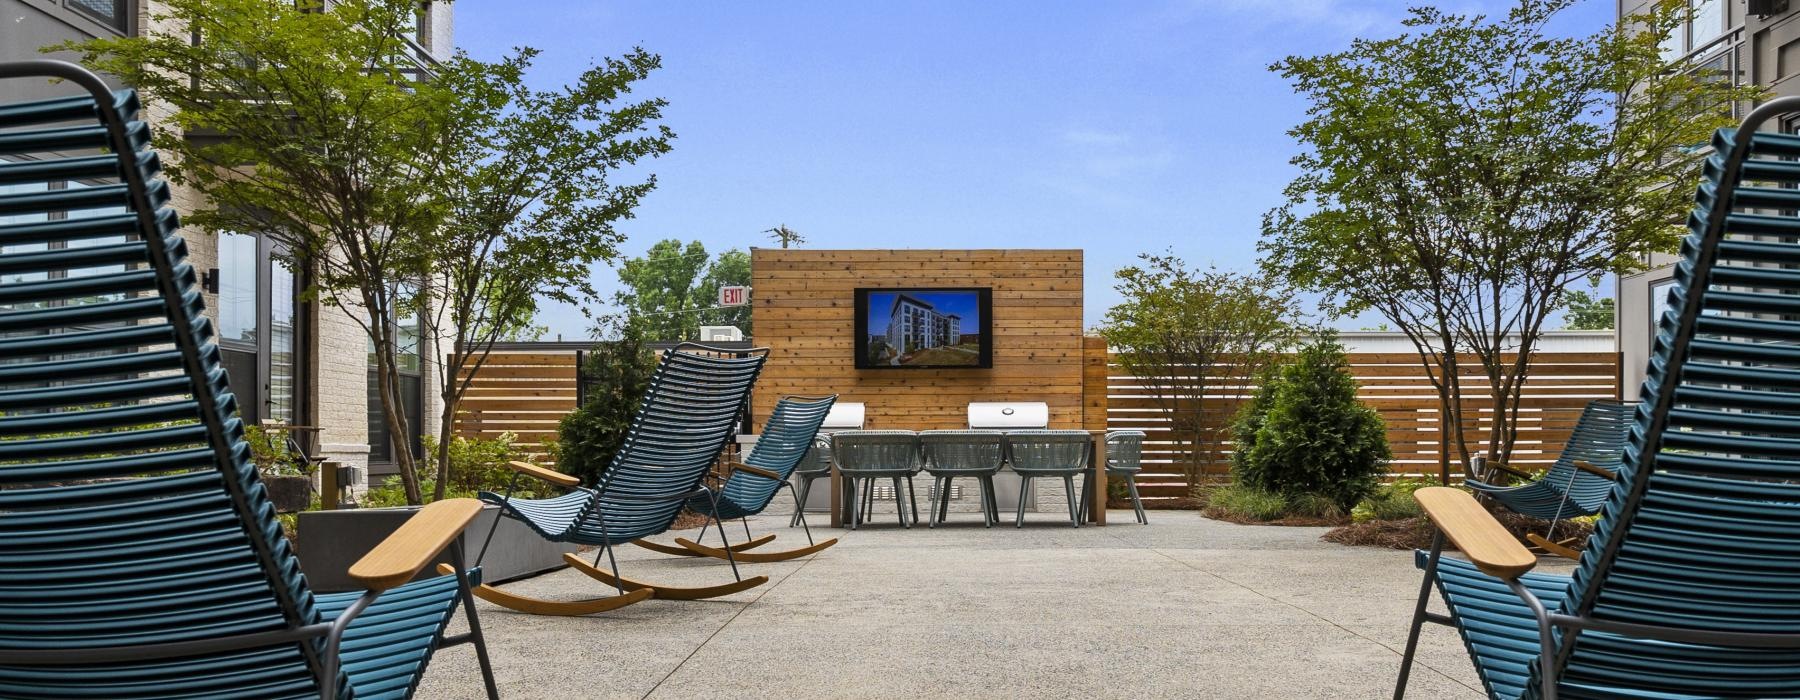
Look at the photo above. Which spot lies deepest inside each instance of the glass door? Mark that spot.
(258, 336)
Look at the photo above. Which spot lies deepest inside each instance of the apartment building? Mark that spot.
(915, 325)
(1744, 41)
(301, 362)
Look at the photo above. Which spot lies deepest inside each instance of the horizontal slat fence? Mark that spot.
(1395, 384)
(525, 393)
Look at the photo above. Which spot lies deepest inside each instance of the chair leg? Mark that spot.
(854, 505)
(1418, 621)
(1024, 493)
(1137, 503)
(799, 511)
(1069, 490)
(900, 505)
(465, 591)
(912, 498)
(800, 494)
(937, 487)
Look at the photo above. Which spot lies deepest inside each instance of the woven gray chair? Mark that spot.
(949, 454)
(1035, 454)
(816, 464)
(1124, 461)
(863, 456)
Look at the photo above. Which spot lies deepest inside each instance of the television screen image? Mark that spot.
(923, 328)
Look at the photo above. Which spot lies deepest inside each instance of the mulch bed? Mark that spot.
(1290, 521)
(1415, 533)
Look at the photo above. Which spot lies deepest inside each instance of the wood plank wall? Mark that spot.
(1558, 386)
(524, 393)
(804, 313)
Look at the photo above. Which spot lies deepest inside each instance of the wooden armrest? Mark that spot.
(1589, 467)
(552, 476)
(759, 471)
(1496, 464)
(1475, 532)
(404, 553)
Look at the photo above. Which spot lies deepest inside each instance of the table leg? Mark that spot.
(837, 498)
(1097, 494)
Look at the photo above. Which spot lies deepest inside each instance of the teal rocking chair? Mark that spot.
(1690, 584)
(140, 556)
(696, 397)
(784, 443)
(1580, 480)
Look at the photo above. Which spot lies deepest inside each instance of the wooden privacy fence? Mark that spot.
(1558, 385)
(525, 393)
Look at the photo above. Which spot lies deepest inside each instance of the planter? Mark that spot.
(332, 540)
(291, 494)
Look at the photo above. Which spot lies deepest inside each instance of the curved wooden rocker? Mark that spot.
(680, 552)
(563, 608)
(695, 549)
(651, 590)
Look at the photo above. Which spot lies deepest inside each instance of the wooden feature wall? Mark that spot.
(1558, 386)
(524, 393)
(804, 312)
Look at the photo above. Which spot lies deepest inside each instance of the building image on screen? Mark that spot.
(923, 329)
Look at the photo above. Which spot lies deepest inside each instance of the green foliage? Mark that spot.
(1186, 332)
(269, 452)
(673, 290)
(1311, 436)
(1393, 501)
(1457, 178)
(1584, 312)
(476, 464)
(1247, 502)
(534, 209)
(617, 375)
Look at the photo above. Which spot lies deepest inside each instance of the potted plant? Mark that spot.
(284, 474)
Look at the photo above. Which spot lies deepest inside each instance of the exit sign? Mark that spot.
(734, 296)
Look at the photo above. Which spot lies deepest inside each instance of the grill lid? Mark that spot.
(1003, 415)
(844, 416)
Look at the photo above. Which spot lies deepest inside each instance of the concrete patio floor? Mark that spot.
(1185, 607)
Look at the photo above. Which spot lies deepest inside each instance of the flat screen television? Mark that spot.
(925, 328)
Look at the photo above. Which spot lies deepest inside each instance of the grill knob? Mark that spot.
(1006, 411)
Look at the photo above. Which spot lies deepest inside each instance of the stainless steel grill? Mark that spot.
(1008, 415)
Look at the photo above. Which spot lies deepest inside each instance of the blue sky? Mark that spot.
(963, 304)
(1118, 127)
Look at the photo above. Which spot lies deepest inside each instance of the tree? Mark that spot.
(1306, 433)
(674, 289)
(532, 208)
(617, 375)
(1459, 177)
(311, 129)
(1584, 312)
(1195, 338)
(784, 235)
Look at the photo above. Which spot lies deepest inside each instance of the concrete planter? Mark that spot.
(332, 540)
(291, 494)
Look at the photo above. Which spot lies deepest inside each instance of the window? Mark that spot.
(1705, 25)
(258, 329)
(112, 13)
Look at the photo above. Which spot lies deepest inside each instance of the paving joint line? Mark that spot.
(1318, 617)
(715, 633)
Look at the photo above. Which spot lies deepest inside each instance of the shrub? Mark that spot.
(1314, 505)
(476, 464)
(1246, 503)
(1307, 434)
(1392, 502)
(617, 375)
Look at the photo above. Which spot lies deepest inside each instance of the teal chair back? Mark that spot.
(786, 438)
(1699, 541)
(130, 513)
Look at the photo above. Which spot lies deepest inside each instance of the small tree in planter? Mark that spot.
(1305, 433)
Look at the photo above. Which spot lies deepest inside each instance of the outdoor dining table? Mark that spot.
(1095, 482)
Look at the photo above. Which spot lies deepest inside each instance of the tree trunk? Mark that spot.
(387, 371)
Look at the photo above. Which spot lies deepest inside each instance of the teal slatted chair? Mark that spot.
(140, 556)
(784, 444)
(689, 413)
(1578, 483)
(1690, 585)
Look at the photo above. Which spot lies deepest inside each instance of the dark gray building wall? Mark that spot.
(28, 25)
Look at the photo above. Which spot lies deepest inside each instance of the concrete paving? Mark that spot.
(1185, 607)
